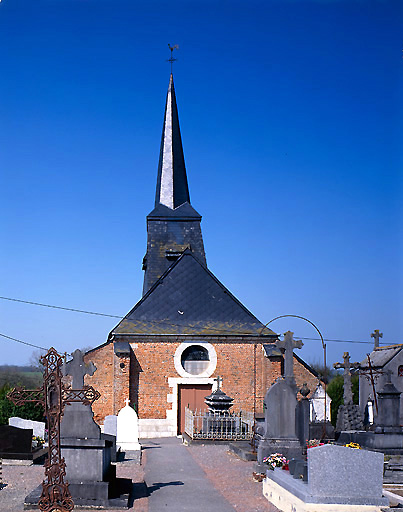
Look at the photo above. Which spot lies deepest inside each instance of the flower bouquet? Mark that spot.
(276, 460)
(353, 445)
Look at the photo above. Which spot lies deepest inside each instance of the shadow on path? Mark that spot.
(156, 487)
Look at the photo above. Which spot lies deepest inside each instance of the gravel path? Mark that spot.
(229, 475)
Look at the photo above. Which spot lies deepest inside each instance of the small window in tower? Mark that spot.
(195, 359)
(400, 371)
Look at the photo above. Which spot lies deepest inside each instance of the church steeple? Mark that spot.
(174, 225)
(172, 185)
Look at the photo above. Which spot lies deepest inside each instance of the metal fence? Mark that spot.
(231, 427)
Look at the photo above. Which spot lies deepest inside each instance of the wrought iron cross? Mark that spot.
(54, 396)
(288, 344)
(346, 365)
(172, 48)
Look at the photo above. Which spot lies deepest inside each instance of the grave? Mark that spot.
(38, 427)
(76, 448)
(16, 445)
(336, 480)
(87, 452)
(387, 434)
(128, 430)
(280, 402)
(348, 415)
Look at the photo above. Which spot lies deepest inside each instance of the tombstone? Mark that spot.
(388, 418)
(302, 415)
(280, 404)
(337, 476)
(111, 425)
(128, 429)
(280, 430)
(348, 416)
(38, 427)
(15, 443)
(88, 453)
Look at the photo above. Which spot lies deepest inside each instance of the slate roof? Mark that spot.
(381, 356)
(172, 186)
(189, 299)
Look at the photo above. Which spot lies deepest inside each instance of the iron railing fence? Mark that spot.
(229, 427)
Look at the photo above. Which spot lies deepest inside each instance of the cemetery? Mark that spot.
(298, 472)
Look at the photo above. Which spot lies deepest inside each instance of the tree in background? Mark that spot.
(28, 411)
(335, 391)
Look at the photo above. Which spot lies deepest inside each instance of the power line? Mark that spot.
(75, 310)
(23, 342)
(60, 307)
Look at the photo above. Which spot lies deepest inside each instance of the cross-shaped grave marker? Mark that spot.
(54, 396)
(376, 335)
(288, 344)
(346, 365)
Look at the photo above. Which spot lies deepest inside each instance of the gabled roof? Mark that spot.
(189, 299)
(381, 356)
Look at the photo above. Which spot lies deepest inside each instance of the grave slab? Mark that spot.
(334, 482)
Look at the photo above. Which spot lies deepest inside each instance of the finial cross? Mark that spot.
(346, 365)
(127, 402)
(172, 60)
(288, 344)
(219, 382)
(376, 335)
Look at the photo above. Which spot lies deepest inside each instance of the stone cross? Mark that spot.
(376, 335)
(54, 396)
(288, 344)
(219, 382)
(346, 365)
(78, 369)
(127, 402)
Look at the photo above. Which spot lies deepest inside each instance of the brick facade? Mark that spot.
(142, 376)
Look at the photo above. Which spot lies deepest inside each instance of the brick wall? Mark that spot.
(143, 375)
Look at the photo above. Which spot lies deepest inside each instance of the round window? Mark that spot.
(195, 359)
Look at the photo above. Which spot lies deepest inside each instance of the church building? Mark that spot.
(188, 328)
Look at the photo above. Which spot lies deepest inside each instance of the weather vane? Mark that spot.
(172, 48)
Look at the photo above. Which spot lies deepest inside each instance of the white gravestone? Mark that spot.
(111, 425)
(128, 429)
(317, 402)
(38, 427)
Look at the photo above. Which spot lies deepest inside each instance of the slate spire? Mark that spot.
(174, 225)
(172, 184)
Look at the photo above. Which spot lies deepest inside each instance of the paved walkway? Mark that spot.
(176, 482)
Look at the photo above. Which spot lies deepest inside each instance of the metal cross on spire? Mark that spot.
(172, 48)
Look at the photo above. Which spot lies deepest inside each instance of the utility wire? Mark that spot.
(23, 342)
(160, 322)
(60, 307)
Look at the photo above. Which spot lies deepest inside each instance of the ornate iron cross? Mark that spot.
(54, 396)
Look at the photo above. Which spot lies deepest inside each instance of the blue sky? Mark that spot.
(290, 115)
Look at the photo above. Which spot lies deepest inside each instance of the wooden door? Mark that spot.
(192, 396)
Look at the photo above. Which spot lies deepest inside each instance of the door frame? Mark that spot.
(173, 397)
